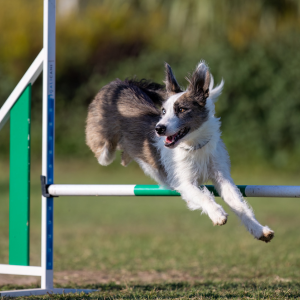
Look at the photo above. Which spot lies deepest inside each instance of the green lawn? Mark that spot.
(140, 236)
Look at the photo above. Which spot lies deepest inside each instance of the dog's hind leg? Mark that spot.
(107, 154)
(126, 159)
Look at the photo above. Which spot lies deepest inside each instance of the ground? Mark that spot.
(154, 247)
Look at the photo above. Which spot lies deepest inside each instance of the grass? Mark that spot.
(143, 247)
(185, 290)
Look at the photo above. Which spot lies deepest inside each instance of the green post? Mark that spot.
(19, 182)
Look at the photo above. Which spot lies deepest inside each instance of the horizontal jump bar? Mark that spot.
(21, 270)
(155, 190)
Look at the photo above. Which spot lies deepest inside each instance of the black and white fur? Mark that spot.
(180, 146)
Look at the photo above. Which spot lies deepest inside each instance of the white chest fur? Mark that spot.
(191, 166)
(182, 165)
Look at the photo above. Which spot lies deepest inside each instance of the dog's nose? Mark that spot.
(160, 129)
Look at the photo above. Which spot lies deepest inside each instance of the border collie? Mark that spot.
(175, 138)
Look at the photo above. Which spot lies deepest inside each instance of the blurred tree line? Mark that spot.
(253, 45)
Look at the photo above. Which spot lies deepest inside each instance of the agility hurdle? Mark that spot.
(17, 107)
(56, 190)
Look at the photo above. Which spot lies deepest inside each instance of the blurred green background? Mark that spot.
(253, 45)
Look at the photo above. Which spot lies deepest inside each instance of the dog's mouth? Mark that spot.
(172, 140)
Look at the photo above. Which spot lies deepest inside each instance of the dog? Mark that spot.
(174, 136)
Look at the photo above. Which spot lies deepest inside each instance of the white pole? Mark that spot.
(91, 190)
(48, 142)
(21, 270)
(29, 77)
(277, 191)
(272, 191)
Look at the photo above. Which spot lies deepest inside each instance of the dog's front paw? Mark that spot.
(221, 220)
(267, 235)
(219, 217)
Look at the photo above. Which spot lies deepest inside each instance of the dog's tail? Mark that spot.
(214, 93)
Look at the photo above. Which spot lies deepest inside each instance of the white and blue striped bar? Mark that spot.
(277, 191)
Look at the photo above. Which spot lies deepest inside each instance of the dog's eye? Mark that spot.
(181, 110)
(163, 111)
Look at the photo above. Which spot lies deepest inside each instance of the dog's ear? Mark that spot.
(199, 83)
(171, 84)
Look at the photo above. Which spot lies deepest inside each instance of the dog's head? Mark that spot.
(184, 111)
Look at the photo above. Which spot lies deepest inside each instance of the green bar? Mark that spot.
(19, 182)
(212, 189)
(242, 188)
(156, 190)
(153, 190)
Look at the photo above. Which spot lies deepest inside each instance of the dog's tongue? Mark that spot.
(170, 139)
